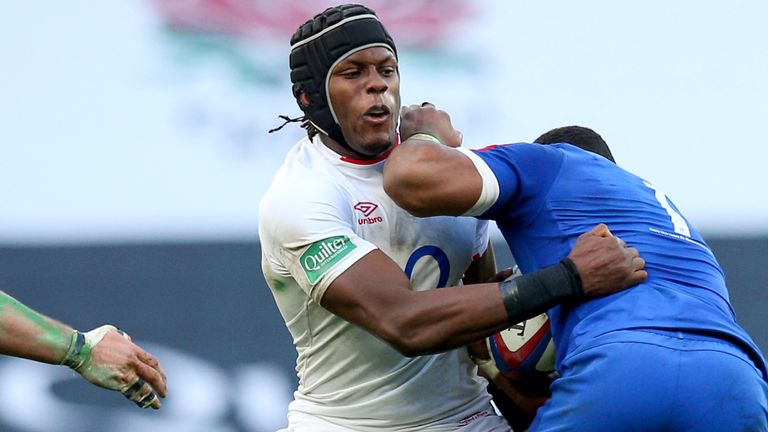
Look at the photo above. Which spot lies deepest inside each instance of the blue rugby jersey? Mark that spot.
(550, 194)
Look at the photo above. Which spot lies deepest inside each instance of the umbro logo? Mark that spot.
(367, 208)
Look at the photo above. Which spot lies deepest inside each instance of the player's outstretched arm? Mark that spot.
(375, 294)
(104, 356)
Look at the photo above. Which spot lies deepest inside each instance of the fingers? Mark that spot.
(151, 401)
(149, 369)
(503, 275)
(637, 266)
(455, 139)
(142, 395)
(639, 276)
(429, 119)
(606, 264)
(600, 230)
(130, 364)
(633, 257)
(638, 263)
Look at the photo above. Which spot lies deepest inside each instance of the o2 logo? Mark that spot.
(435, 253)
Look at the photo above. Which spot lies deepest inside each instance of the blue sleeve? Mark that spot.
(525, 172)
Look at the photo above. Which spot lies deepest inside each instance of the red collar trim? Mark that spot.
(367, 161)
(375, 160)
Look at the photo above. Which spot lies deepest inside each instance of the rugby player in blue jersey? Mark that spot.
(665, 356)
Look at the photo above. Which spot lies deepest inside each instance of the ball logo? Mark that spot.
(525, 349)
(322, 255)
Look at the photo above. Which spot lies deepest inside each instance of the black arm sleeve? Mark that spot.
(532, 294)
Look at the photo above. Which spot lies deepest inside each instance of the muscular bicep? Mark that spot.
(367, 289)
(369, 293)
(428, 179)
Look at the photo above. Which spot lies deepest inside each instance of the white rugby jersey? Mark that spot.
(322, 213)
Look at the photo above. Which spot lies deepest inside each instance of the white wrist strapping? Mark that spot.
(424, 137)
(81, 345)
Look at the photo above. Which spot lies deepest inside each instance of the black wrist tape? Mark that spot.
(72, 358)
(532, 294)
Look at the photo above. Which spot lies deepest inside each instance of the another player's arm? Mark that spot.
(103, 356)
(427, 177)
(28, 334)
(375, 294)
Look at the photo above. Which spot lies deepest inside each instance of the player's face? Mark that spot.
(364, 89)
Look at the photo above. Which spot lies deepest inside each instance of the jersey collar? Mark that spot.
(318, 142)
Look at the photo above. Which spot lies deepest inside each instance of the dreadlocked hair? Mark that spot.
(305, 124)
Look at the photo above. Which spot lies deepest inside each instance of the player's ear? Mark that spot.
(303, 99)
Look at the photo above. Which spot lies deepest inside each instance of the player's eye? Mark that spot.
(350, 73)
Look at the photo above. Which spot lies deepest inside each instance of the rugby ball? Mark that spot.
(525, 350)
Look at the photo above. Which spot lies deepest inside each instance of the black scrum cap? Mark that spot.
(321, 43)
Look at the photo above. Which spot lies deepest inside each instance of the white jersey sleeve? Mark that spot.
(490, 191)
(309, 239)
(482, 237)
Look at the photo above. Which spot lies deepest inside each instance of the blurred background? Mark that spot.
(134, 152)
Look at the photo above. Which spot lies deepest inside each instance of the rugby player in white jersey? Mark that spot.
(354, 275)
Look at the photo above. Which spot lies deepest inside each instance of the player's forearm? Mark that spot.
(29, 334)
(443, 319)
(438, 320)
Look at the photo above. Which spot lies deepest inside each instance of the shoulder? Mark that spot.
(518, 153)
(522, 160)
(301, 199)
(303, 183)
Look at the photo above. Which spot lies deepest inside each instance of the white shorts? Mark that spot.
(484, 421)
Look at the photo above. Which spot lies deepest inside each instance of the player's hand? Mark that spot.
(605, 263)
(528, 395)
(505, 274)
(427, 119)
(116, 363)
